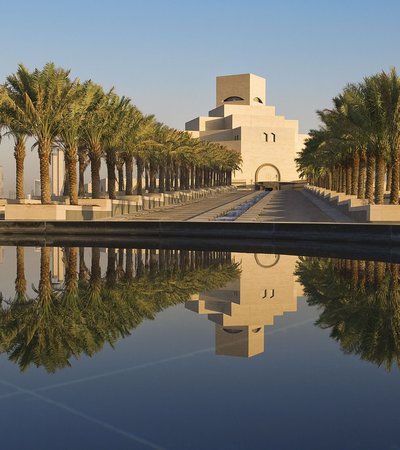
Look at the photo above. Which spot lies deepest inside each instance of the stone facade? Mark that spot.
(243, 122)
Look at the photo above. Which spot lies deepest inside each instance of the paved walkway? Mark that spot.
(292, 206)
(278, 206)
(187, 211)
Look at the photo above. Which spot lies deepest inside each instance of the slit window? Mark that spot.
(266, 137)
(273, 137)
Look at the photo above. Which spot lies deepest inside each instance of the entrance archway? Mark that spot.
(267, 173)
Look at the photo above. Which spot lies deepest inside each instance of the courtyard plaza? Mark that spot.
(277, 206)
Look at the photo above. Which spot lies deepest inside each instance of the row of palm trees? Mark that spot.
(97, 305)
(89, 125)
(356, 150)
(359, 301)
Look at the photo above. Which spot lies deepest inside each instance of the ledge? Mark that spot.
(312, 232)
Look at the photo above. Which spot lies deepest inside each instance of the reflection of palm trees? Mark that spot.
(89, 312)
(20, 281)
(362, 311)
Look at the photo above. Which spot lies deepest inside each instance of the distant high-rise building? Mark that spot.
(36, 188)
(1, 182)
(57, 172)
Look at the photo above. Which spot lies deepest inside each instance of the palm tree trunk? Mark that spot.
(168, 176)
(45, 287)
(152, 177)
(362, 175)
(388, 177)
(19, 154)
(95, 163)
(95, 269)
(192, 182)
(111, 273)
(348, 178)
(83, 270)
(129, 264)
(129, 174)
(83, 162)
(176, 176)
(71, 159)
(120, 169)
(139, 167)
(355, 175)
(44, 162)
(71, 272)
(342, 180)
(369, 185)
(380, 180)
(110, 162)
(146, 178)
(394, 186)
(65, 192)
(20, 281)
(161, 178)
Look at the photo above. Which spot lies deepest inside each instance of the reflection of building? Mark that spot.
(266, 289)
(242, 121)
(1, 255)
(57, 265)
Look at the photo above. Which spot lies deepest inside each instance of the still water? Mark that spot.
(121, 348)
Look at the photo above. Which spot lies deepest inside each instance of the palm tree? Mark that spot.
(119, 112)
(8, 122)
(362, 313)
(389, 88)
(69, 138)
(94, 130)
(37, 101)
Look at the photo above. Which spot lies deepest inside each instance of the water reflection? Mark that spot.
(76, 309)
(266, 289)
(360, 304)
(84, 298)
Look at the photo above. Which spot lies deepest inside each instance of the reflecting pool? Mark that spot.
(125, 348)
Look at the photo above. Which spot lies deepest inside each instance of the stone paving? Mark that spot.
(187, 211)
(292, 206)
(278, 206)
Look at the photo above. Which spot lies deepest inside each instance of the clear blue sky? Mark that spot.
(165, 54)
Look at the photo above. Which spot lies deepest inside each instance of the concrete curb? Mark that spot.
(293, 231)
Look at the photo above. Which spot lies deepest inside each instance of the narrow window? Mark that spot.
(265, 137)
(273, 137)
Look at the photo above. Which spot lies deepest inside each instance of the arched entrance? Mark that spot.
(267, 173)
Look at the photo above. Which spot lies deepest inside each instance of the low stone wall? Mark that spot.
(356, 208)
(310, 233)
(102, 208)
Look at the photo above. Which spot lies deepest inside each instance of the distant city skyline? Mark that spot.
(166, 55)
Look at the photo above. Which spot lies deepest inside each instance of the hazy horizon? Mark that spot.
(166, 55)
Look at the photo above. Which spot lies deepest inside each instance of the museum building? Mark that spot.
(242, 121)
